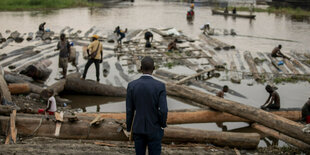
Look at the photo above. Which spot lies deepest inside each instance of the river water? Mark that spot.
(144, 14)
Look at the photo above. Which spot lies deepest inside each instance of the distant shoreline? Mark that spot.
(39, 5)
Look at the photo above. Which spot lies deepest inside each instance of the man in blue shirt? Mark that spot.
(146, 110)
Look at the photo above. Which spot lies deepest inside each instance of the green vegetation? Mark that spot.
(285, 10)
(293, 79)
(20, 5)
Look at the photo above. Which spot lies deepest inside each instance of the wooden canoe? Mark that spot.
(217, 12)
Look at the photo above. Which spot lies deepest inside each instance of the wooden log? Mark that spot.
(109, 129)
(194, 75)
(4, 91)
(273, 69)
(249, 59)
(283, 137)
(19, 88)
(27, 54)
(75, 84)
(270, 120)
(234, 76)
(18, 78)
(290, 66)
(244, 140)
(199, 116)
(13, 127)
(57, 87)
(38, 71)
(279, 67)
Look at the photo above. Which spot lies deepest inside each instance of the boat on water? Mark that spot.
(217, 12)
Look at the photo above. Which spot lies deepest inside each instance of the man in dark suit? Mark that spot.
(146, 110)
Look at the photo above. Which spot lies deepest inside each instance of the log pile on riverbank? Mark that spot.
(205, 57)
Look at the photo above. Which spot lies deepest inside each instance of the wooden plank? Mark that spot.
(249, 59)
(13, 127)
(194, 75)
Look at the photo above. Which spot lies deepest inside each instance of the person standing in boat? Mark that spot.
(276, 52)
(226, 10)
(273, 101)
(234, 11)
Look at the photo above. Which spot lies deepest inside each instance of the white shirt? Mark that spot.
(52, 100)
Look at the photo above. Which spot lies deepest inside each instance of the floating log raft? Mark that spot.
(290, 66)
(112, 130)
(16, 52)
(234, 77)
(249, 59)
(279, 67)
(26, 54)
(270, 120)
(75, 84)
(199, 116)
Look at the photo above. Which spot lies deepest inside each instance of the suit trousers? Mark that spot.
(152, 141)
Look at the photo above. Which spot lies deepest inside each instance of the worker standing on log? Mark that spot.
(221, 95)
(276, 52)
(94, 52)
(121, 35)
(305, 113)
(64, 54)
(148, 36)
(73, 56)
(146, 110)
(273, 101)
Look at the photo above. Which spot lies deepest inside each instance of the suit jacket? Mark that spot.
(146, 98)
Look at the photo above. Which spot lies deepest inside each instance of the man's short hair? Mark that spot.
(268, 88)
(280, 46)
(225, 87)
(62, 36)
(147, 64)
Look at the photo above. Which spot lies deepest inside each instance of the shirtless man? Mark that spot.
(276, 52)
(221, 93)
(273, 101)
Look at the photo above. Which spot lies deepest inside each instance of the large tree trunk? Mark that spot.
(281, 136)
(270, 120)
(77, 85)
(18, 78)
(57, 87)
(200, 116)
(112, 130)
(38, 71)
(19, 88)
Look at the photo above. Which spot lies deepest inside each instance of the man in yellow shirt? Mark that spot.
(94, 52)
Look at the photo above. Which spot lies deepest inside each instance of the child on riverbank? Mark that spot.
(51, 104)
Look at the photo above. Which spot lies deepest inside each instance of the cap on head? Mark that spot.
(147, 64)
(269, 88)
(95, 36)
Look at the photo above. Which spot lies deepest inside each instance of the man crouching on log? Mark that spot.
(273, 101)
(146, 110)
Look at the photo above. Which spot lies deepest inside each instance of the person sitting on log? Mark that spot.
(64, 54)
(172, 45)
(273, 101)
(41, 27)
(276, 52)
(148, 36)
(305, 112)
(221, 93)
(51, 104)
(120, 33)
(94, 52)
